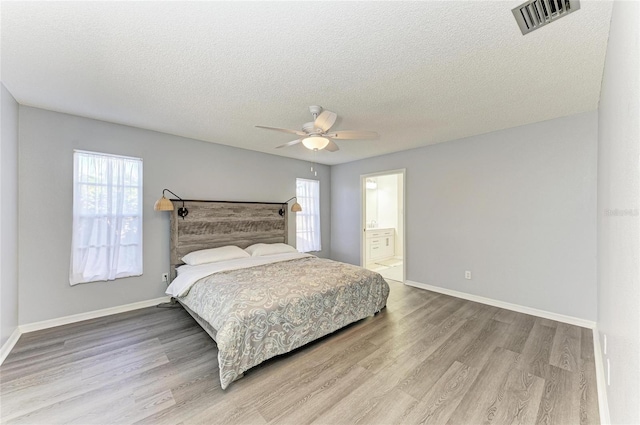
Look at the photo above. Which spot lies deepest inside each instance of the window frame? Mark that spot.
(107, 235)
(308, 217)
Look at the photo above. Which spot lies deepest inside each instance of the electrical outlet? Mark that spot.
(165, 277)
(467, 275)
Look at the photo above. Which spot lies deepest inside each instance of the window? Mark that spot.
(107, 217)
(308, 220)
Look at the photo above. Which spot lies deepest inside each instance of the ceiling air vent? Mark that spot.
(536, 13)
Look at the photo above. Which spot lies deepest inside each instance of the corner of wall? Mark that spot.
(8, 217)
(618, 225)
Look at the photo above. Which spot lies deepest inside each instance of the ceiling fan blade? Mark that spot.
(332, 147)
(325, 120)
(284, 130)
(353, 134)
(295, 142)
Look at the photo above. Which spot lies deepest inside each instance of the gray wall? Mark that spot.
(190, 168)
(517, 207)
(618, 219)
(8, 214)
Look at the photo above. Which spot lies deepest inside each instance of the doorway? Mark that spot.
(383, 236)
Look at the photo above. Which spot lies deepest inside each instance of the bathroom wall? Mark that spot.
(371, 217)
(388, 202)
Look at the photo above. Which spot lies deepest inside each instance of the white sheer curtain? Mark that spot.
(107, 217)
(308, 220)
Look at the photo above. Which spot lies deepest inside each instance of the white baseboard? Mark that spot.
(508, 306)
(45, 324)
(603, 403)
(8, 346)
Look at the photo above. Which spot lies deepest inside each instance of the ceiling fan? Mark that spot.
(315, 135)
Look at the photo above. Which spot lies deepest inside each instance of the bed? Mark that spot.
(259, 306)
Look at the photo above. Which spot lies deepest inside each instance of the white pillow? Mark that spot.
(183, 269)
(260, 249)
(213, 255)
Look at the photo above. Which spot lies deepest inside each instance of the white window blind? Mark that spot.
(308, 220)
(107, 217)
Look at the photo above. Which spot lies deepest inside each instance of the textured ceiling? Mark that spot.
(418, 73)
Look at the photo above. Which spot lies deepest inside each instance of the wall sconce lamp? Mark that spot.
(294, 208)
(163, 204)
(371, 184)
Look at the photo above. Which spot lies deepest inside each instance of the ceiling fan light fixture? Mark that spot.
(314, 135)
(315, 142)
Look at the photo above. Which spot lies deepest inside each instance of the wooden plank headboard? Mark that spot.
(212, 224)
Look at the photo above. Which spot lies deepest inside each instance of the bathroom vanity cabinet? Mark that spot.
(380, 244)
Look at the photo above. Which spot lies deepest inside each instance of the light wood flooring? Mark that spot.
(426, 358)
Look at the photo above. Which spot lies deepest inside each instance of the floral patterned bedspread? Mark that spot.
(263, 311)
